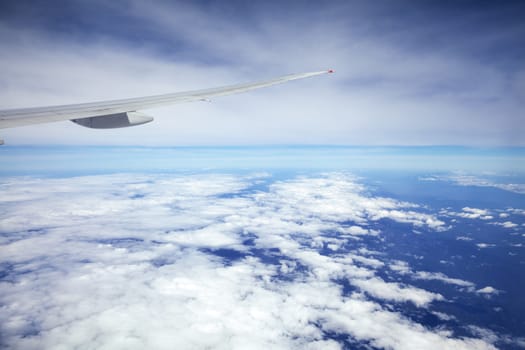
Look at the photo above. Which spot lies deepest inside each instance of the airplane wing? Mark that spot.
(123, 113)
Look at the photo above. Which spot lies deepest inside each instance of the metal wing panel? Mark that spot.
(27, 116)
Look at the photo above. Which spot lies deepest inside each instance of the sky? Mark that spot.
(82, 160)
(407, 73)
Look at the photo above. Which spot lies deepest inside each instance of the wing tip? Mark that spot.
(330, 71)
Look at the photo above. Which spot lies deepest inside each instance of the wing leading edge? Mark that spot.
(116, 113)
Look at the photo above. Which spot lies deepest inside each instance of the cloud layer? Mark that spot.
(222, 261)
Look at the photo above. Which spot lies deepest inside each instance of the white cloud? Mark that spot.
(357, 230)
(478, 212)
(488, 290)
(469, 213)
(506, 224)
(485, 245)
(443, 316)
(442, 277)
(475, 213)
(399, 329)
(470, 180)
(394, 291)
(491, 337)
(402, 268)
(161, 261)
(374, 263)
(516, 211)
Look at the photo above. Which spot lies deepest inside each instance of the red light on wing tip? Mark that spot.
(331, 71)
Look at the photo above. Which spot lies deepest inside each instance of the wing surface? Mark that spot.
(27, 116)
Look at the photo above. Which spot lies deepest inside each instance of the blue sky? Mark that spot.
(425, 73)
(79, 160)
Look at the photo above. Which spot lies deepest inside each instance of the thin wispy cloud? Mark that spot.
(463, 179)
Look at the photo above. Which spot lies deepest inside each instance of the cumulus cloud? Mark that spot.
(394, 291)
(516, 211)
(506, 224)
(475, 213)
(196, 261)
(488, 290)
(400, 267)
